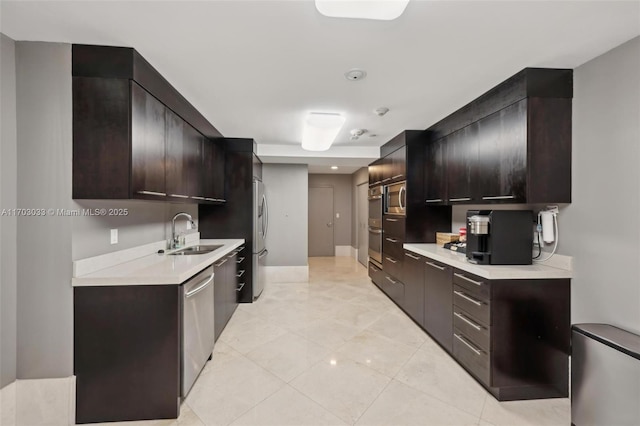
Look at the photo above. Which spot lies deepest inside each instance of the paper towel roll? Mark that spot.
(547, 227)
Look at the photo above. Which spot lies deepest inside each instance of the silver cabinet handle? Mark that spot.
(160, 194)
(266, 252)
(240, 260)
(391, 240)
(375, 231)
(467, 344)
(391, 260)
(375, 197)
(471, 323)
(178, 196)
(374, 269)
(499, 197)
(412, 256)
(478, 283)
(460, 199)
(240, 287)
(391, 281)
(402, 189)
(434, 200)
(391, 220)
(396, 176)
(386, 180)
(220, 200)
(222, 262)
(239, 274)
(470, 299)
(211, 199)
(378, 182)
(197, 198)
(200, 288)
(433, 265)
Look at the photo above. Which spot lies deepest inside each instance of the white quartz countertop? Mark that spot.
(158, 268)
(492, 272)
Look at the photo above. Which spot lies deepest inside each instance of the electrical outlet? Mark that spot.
(114, 236)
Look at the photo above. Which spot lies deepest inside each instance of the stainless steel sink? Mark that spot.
(194, 250)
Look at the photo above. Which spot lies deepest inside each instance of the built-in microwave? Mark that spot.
(396, 198)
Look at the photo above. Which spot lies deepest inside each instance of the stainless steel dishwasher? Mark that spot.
(197, 326)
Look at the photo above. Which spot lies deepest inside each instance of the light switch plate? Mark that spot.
(114, 236)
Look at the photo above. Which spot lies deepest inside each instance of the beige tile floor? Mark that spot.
(336, 351)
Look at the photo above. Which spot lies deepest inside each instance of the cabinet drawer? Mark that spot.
(394, 289)
(392, 246)
(468, 302)
(376, 275)
(475, 285)
(392, 266)
(471, 356)
(477, 332)
(393, 226)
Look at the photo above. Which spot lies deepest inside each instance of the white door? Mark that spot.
(362, 220)
(321, 222)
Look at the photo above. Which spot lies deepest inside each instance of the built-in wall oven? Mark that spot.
(375, 224)
(396, 198)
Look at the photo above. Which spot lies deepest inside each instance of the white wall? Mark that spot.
(8, 224)
(601, 228)
(45, 297)
(286, 188)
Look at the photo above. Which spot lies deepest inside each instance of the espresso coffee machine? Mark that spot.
(500, 237)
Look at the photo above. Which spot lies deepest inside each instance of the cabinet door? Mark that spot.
(414, 286)
(398, 165)
(213, 170)
(387, 169)
(438, 302)
(502, 145)
(435, 178)
(375, 173)
(462, 157)
(220, 296)
(147, 144)
(183, 159)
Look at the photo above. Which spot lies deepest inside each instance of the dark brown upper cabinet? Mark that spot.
(134, 135)
(375, 172)
(510, 145)
(502, 159)
(435, 172)
(462, 162)
(213, 153)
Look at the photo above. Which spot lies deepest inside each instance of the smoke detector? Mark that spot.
(355, 75)
(381, 111)
(356, 133)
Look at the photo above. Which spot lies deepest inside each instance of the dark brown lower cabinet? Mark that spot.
(127, 344)
(225, 291)
(438, 308)
(414, 286)
(513, 335)
(376, 275)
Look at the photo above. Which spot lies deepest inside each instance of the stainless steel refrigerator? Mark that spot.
(260, 228)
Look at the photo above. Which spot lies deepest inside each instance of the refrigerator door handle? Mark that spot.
(265, 216)
(263, 254)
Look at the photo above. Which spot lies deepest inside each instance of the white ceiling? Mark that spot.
(255, 68)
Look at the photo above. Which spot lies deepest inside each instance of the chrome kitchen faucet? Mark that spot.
(174, 238)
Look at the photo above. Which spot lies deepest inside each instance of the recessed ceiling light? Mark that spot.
(334, 167)
(320, 130)
(385, 10)
(381, 111)
(355, 74)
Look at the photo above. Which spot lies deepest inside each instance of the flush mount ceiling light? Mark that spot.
(320, 130)
(384, 10)
(334, 167)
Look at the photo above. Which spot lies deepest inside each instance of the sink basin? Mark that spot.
(194, 250)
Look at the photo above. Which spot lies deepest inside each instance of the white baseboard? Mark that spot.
(286, 274)
(344, 251)
(39, 402)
